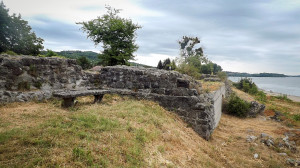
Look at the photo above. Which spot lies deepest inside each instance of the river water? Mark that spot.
(284, 85)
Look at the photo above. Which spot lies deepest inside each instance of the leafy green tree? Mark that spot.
(159, 65)
(116, 34)
(84, 62)
(5, 20)
(16, 35)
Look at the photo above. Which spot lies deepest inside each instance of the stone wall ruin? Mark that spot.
(24, 78)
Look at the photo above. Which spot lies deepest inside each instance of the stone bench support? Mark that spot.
(70, 96)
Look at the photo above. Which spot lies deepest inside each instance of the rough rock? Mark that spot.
(266, 139)
(293, 162)
(277, 116)
(29, 73)
(255, 109)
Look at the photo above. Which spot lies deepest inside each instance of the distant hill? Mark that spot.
(239, 74)
(92, 56)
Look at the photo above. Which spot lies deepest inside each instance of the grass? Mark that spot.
(122, 132)
(209, 86)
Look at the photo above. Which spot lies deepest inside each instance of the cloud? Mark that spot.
(247, 36)
(61, 36)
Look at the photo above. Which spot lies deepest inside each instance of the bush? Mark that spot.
(10, 53)
(51, 53)
(237, 107)
(190, 70)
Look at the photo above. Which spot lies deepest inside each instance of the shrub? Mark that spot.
(237, 107)
(190, 70)
(51, 53)
(10, 53)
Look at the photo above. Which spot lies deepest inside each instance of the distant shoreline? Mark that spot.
(292, 97)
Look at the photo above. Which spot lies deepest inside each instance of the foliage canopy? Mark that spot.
(16, 35)
(116, 34)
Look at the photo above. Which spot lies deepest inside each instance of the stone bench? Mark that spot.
(70, 95)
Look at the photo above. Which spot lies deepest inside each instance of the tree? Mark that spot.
(167, 64)
(5, 20)
(159, 65)
(187, 50)
(16, 35)
(116, 34)
(84, 62)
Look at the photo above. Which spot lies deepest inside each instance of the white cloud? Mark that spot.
(73, 10)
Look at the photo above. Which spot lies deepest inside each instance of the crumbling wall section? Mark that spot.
(24, 78)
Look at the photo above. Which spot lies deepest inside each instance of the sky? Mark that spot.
(240, 35)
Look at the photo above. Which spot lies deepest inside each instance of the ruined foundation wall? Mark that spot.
(25, 78)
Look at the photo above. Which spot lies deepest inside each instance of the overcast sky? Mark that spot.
(240, 35)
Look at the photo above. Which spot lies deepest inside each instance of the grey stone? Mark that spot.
(264, 135)
(251, 138)
(293, 162)
(255, 109)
